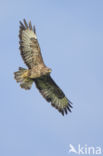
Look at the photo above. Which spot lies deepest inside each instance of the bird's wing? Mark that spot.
(29, 46)
(52, 93)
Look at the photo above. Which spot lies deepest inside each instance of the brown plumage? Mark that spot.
(29, 46)
(37, 71)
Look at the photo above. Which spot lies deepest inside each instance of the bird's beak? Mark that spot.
(50, 70)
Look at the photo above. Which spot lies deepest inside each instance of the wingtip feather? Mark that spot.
(26, 25)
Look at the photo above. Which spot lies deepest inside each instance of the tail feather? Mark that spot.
(25, 82)
(18, 74)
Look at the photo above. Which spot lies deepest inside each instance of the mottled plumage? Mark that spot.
(29, 46)
(37, 71)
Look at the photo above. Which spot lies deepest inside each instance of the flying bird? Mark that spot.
(37, 71)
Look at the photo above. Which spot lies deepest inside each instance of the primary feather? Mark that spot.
(52, 93)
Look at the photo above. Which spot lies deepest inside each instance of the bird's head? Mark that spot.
(48, 70)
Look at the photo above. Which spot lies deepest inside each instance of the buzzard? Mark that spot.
(37, 71)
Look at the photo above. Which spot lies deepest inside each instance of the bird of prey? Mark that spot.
(37, 71)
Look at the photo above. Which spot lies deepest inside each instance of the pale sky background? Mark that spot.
(70, 33)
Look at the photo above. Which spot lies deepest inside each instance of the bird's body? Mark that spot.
(37, 71)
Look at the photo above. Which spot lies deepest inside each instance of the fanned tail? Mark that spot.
(24, 81)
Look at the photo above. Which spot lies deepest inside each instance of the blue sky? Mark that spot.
(70, 34)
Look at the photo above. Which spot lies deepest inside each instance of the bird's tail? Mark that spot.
(20, 76)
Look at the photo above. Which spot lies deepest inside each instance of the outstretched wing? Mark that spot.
(52, 93)
(29, 46)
